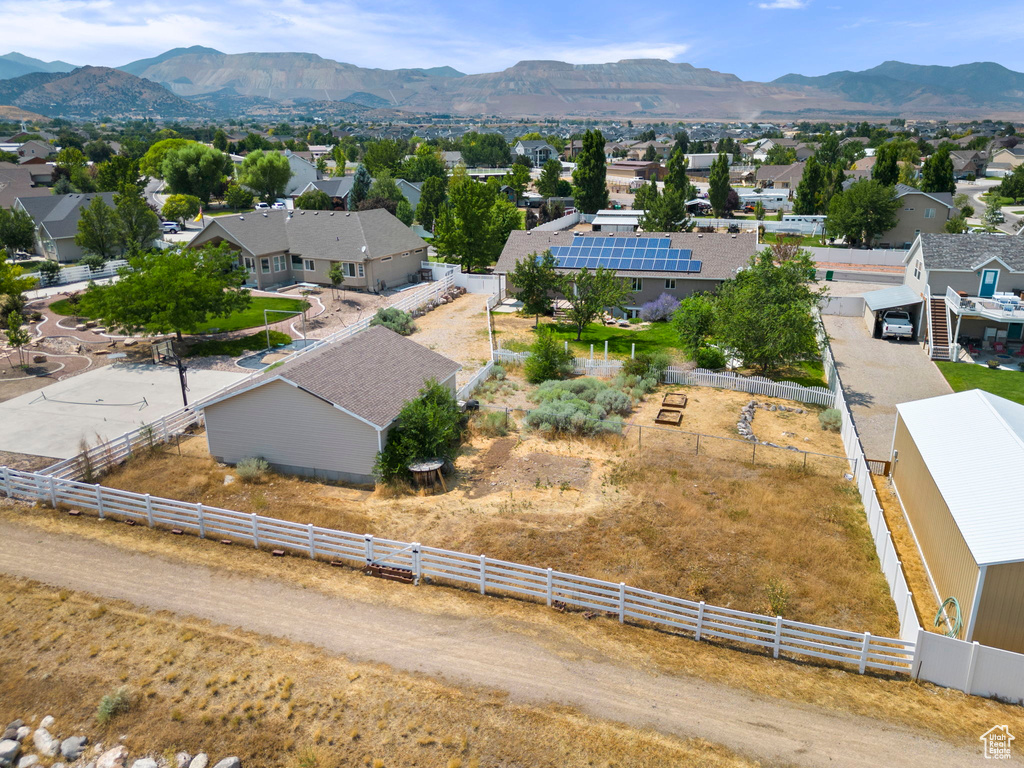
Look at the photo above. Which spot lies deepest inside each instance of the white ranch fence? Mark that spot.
(113, 452)
(698, 377)
(79, 274)
(860, 650)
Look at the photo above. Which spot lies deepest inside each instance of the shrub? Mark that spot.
(599, 397)
(647, 365)
(112, 705)
(778, 597)
(660, 309)
(548, 359)
(428, 427)
(394, 319)
(831, 419)
(252, 469)
(614, 401)
(571, 416)
(49, 271)
(491, 423)
(710, 358)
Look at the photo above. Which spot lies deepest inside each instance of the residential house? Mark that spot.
(327, 413)
(376, 250)
(973, 285)
(968, 164)
(56, 218)
(17, 181)
(452, 160)
(956, 462)
(920, 213)
(699, 164)
(677, 263)
(635, 169)
(303, 172)
(639, 151)
(572, 149)
(780, 176)
(538, 152)
(35, 149)
(337, 188)
(1005, 160)
(412, 191)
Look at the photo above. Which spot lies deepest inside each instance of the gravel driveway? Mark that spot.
(877, 374)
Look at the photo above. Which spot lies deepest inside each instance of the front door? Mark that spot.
(989, 278)
(250, 265)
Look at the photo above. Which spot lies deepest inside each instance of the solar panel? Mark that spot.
(624, 253)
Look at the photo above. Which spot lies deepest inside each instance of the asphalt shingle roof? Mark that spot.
(945, 198)
(969, 251)
(60, 213)
(721, 253)
(372, 374)
(316, 234)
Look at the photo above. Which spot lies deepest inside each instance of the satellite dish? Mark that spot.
(363, 249)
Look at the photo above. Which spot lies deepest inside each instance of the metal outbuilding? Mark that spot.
(877, 303)
(958, 469)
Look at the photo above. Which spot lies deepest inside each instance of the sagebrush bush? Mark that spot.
(635, 386)
(614, 401)
(711, 358)
(491, 423)
(252, 469)
(394, 319)
(660, 309)
(112, 705)
(572, 416)
(831, 419)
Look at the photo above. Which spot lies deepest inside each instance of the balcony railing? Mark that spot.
(1005, 308)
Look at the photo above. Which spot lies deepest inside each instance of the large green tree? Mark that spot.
(937, 173)
(429, 427)
(361, 182)
(99, 230)
(694, 321)
(425, 162)
(175, 289)
(862, 212)
(432, 197)
(313, 200)
(137, 225)
(266, 173)
(808, 193)
(886, 168)
(181, 207)
(384, 187)
(718, 185)
(475, 223)
(383, 156)
(152, 163)
(588, 294)
(116, 172)
(765, 312)
(666, 212)
(828, 151)
(675, 174)
(481, 150)
(535, 280)
(589, 189)
(17, 230)
(196, 169)
(550, 175)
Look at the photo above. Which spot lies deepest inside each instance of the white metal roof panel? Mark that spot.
(897, 296)
(973, 445)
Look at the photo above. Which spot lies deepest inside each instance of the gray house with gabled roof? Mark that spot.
(376, 251)
(327, 413)
(56, 218)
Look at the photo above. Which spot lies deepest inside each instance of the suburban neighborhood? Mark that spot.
(555, 415)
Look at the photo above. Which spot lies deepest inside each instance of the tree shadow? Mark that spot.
(856, 397)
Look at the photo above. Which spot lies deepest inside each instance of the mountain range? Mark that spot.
(198, 80)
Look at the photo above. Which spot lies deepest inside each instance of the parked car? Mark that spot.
(278, 206)
(897, 325)
(262, 206)
(170, 227)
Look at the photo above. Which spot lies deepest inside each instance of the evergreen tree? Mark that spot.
(666, 213)
(550, 175)
(360, 187)
(432, 197)
(828, 151)
(589, 190)
(886, 170)
(808, 194)
(718, 185)
(675, 174)
(937, 173)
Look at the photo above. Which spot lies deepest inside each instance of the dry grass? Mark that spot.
(197, 687)
(945, 713)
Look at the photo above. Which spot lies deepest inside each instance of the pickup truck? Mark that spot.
(897, 325)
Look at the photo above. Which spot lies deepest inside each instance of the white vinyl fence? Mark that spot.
(698, 377)
(562, 223)
(473, 283)
(859, 650)
(79, 274)
(844, 306)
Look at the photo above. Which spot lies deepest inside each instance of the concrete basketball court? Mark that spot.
(98, 406)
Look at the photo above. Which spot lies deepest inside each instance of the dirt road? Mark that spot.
(476, 652)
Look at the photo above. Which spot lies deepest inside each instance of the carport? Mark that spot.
(899, 297)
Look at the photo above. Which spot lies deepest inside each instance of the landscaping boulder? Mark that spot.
(113, 758)
(46, 744)
(182, 760)
(200, 761)
(80, 327)
(37, 359)
(73, 747)
(229, 762)
(9, 749)
(23, 733)
(29, 760)
(130, 342)
(145, 762)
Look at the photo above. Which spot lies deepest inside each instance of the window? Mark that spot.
(670, 285)
(386, 258)
(351, 269)
(308, 265)
(296, 262)
(636, 284)
(929, 213)
(250, 263)
(917, 269)
(265, 265)
(908, 209)
(279, 263)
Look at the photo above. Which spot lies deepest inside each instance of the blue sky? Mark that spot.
(758, 40)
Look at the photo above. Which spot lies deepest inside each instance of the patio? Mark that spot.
(1005, 358)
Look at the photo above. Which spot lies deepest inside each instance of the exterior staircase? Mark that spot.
(938, 329)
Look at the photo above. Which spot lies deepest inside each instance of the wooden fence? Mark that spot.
(699, 377)
(860, 650)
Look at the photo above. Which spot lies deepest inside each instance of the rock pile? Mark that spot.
(17, 750)
(445, 298)
(745, 425)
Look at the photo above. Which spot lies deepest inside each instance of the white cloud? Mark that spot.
(791, 5)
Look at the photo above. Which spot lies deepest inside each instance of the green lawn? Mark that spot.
(28, 266)
(1002, 200)
(237, 347)
(963, 376)
(772, 237)
(247, 318)
(229, 212)
(810, 373)
(657, 337)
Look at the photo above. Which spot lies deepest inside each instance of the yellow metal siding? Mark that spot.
(945, 552)
(1001, 611)
(290, 428)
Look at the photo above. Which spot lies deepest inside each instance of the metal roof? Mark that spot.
(887, 298)
(973, 445)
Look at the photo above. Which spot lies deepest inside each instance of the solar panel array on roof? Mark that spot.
(652, 254)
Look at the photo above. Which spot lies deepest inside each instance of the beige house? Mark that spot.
(701, 261)
(56, 218)
(376, 250)
(957, 471)
(973, 285)
(1008, 156)
(327, 413)
(920, 213)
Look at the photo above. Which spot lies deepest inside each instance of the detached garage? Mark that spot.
(327, 413)
(897, 298)
(958, 469)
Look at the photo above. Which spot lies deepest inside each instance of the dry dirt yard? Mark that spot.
(766, 537)
(458, 331)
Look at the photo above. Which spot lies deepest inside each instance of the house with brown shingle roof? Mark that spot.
(327, 413)
(710, 258)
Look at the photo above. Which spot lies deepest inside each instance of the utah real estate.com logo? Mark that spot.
(997, 742)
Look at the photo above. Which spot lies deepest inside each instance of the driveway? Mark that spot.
(877, 374)
(97, 406)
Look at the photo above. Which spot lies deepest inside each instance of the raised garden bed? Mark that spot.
(674, 400)
(669, 416)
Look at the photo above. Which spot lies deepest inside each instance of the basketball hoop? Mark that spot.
(163, 354)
